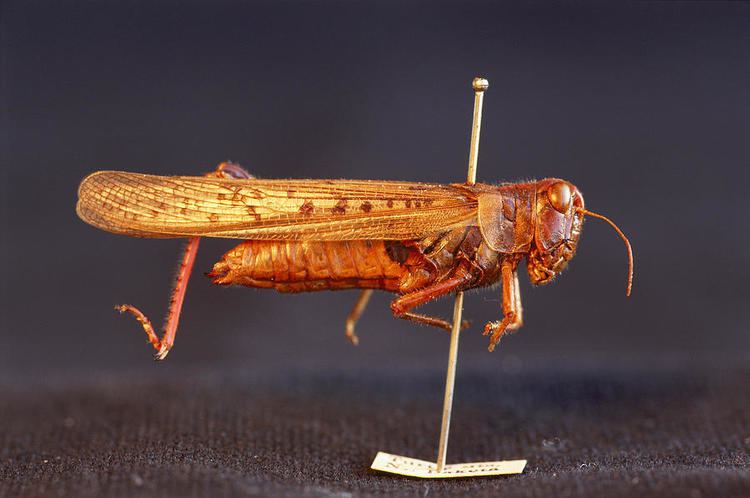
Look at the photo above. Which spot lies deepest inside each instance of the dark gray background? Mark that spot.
(643, 106)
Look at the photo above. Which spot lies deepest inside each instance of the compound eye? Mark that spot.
(559, 196)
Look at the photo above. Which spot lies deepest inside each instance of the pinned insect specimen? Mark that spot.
(420, 241)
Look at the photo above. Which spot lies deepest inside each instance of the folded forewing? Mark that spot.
(182, 206)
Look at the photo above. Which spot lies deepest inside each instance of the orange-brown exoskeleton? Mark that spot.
(417, 240)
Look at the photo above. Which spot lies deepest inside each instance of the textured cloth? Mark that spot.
(681, 432)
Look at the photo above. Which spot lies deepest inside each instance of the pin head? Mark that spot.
(480, 84)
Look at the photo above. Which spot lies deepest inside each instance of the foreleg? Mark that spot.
(512, 309)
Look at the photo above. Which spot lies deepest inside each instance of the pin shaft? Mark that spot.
(479, 85)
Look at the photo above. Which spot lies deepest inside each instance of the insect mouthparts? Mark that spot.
(586, 212)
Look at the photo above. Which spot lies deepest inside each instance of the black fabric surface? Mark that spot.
(641, 105)
(681, 431)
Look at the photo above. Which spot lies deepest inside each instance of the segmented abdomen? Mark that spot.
(299, 266)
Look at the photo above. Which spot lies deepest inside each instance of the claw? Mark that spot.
(162, 353)
(351, 336)
(489, 327)
(497, 329)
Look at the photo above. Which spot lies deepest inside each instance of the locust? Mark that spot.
(419, 241)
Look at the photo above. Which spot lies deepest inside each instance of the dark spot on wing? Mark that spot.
(307, 208)
(407, 203)
(251, 212)
(340, 207)
(390, 203)
(366, 206)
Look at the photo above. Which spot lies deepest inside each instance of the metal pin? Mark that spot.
(405, 466)
(479, 85)
(450, 381)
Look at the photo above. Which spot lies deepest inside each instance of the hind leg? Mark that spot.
(231, 170)
(164, 345)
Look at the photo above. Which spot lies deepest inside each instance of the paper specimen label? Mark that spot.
(396, 464)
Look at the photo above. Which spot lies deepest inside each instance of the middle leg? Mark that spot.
(402, 306)
(359, 308)
(433, 321)
(361, 304)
